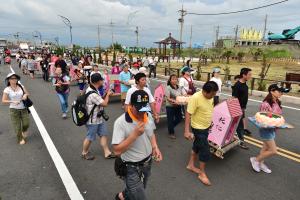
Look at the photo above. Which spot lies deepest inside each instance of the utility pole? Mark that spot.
(236, 31)
(181, 21)
(99, 36)
(265, 27)
(191, 36)
(137, 36)
(112, 35)
(217, 34)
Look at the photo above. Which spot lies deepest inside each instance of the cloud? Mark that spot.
(155, 18)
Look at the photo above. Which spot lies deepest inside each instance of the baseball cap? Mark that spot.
(140, 100)
(96, 77)
(187, 69)
(275, 87)
(216, 70)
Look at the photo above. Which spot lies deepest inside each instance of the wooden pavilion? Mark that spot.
(175, 45)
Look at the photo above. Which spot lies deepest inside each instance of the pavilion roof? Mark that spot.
(169, 40)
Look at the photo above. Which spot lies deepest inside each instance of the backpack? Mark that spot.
(80, 115)
(192, 89)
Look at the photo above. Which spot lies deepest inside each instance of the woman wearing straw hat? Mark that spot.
(13, 94)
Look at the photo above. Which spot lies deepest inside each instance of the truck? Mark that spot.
(3, 45)
(24, 47)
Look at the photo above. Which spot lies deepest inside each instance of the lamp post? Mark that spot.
(67, 22)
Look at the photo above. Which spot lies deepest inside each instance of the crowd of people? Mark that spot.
(134, 143)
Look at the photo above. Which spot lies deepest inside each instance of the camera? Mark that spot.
(103, 114)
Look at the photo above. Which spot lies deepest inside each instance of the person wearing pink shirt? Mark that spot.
(271, 104)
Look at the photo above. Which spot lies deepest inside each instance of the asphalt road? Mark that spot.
(28, 172)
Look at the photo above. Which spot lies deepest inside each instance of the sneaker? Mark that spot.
(243, 145)
(265, 168)
(255, 164)
(247, 132)
(64, 116)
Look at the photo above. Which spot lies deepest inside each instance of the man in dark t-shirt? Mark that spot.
(240, 91)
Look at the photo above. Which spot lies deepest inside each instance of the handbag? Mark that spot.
(120, 167)
(27, 102)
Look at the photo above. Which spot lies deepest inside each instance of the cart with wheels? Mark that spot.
(226, 117)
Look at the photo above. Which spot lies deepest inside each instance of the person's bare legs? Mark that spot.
(269, 149)
(202, 175)
(191, 165)
(103, 143)
(86, 145)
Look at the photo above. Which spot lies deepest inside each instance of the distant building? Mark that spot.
(246, 37)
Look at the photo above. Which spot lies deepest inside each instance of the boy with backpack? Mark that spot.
(93, 117)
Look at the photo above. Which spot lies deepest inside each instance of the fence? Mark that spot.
(229, 79)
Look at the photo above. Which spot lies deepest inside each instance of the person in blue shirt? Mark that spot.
(124, 78)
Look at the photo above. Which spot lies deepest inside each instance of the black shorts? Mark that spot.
(31, 71)
(200, 145)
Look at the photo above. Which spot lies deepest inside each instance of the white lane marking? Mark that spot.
(62, 169)
(257, 101)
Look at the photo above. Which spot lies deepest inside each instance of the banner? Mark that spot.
(159, 95)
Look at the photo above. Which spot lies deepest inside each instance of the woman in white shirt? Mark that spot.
(13, 94)
(216, 78)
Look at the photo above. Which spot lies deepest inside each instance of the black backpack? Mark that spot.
(79, 112)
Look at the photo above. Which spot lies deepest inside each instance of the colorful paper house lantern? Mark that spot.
(226, 117)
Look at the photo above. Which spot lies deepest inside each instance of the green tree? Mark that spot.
(117, 47)
(228, 54)
(264, 71)
(240, 56)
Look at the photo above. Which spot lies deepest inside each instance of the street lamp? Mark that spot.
(37, 34)
(67, 23)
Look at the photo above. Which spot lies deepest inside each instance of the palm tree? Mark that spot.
(240, 56)
(227, 54)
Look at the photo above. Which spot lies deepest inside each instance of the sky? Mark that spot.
(155, 19)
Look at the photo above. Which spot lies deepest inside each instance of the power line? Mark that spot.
(239, 11)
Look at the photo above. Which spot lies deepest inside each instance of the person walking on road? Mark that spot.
(186, 81)
(271, 104)
(174, 111)
(31, 66)
(199, 117)
(141, 81)
(216, 78)
(96, 124)
(240, 90)
(124, 78)
(135, 142)
(13, 94)
(152, 67)
(62, 86)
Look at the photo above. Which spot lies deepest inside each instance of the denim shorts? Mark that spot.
(96, 129)
(267, 133)
(200, 145)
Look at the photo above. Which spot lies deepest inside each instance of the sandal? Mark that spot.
(87, 156)
(110, 156)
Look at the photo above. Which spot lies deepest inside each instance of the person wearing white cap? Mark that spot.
(216, 78)
(14, 94)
